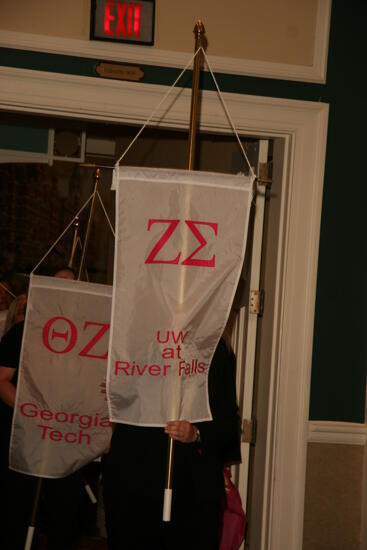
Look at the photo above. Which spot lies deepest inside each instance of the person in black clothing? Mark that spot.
(134, 472)
(17, 490)
(63, 497)
(6, 298)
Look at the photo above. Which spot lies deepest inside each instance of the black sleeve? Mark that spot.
(10, 346)
(221, 435)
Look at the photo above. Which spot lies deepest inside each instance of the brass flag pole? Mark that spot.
(75, 241)
(38, 488)
(97, 176)
(199, 32)
(32, 521)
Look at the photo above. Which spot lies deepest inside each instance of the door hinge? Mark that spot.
(257, 302)
(249, 431)
(264, 175)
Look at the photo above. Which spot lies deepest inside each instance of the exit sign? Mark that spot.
(122, 21)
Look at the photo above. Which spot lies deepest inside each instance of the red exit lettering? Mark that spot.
(122, 19)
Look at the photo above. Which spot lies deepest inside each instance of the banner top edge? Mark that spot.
(180, 176)
(46, 281)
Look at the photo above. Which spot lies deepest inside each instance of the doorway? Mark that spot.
(45, 198)
(299, 132)
(40, 199)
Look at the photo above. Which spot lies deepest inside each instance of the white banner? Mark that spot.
(179, 249)
(61, 419)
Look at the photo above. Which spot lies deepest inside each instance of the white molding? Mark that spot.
(303, 127)
(344, 433)
(152, 56)
(83, 97)
(10, 155)
(322, 39)
(364, 505)
(295, 290)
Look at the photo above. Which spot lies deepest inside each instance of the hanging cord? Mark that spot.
(105, 213)
(156, 109)
(72, 221)
(7, 290)
(79, 243)
(253, 175)
(62, 234)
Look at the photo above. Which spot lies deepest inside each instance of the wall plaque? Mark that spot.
(119, 71)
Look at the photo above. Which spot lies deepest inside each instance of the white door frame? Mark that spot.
(303, 127)
(244, 334)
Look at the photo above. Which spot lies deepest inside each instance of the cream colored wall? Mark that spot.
(66, 18)
(280, 31)
(333, 497)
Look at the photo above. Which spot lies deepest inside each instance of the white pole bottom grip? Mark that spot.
(167, 505)
(28, 542)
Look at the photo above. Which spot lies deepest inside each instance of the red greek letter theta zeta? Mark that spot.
(85, 351)
(67, 335)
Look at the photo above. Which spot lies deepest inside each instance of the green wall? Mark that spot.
(340, 338)
(24, 138)
(340, 344)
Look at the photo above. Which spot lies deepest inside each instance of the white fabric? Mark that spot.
(61, 419)
(179, 250)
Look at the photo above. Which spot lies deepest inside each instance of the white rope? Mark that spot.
(62, 234)
(156, 109)
(228, 115)
(136, 137)
(105, 213)
(7, 290)
(66, 229)
(252, 173)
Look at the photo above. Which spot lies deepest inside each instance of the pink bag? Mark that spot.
(234, 518)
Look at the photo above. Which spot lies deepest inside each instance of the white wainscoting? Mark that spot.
(344, 433)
